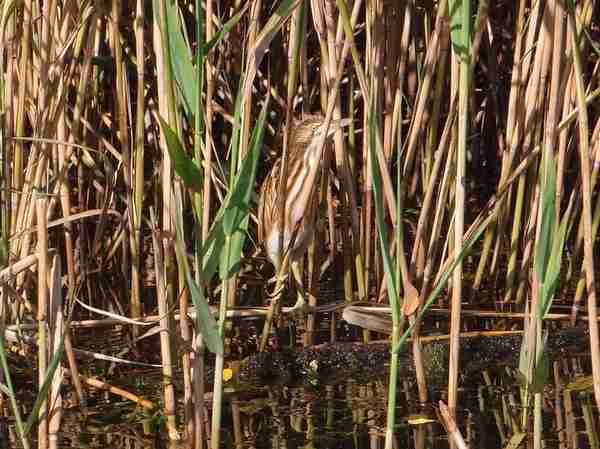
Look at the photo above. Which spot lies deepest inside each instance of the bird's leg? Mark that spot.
(274, 304)
(301, 305)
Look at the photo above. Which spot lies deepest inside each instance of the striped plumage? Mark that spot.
(303, 172)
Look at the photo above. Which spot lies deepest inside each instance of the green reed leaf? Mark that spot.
(183, 165)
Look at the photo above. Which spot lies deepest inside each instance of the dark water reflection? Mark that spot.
(348, 415)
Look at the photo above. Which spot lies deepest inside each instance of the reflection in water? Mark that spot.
(346, 412)
(352, 415)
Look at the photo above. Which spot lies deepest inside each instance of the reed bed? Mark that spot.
(136, 135)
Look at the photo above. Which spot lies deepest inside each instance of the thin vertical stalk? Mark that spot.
(167, 108)
(459, 202)
(215, 432)
(349, 196)
(247, 101)
(165, 265)
(530, 221)
(588, 245)
(425, 91)
(137, 168)
(559, 409)
(186, 365)
(56, 330)
(64, 187)
(517, 214)
(424, 228)
(19, 130)
(514, 105)
(7, 380)
(208, 119)
(38, 158)
(551, 133)
(42, 311)
(571, 426)
(532, 130)
(123, 126)
(8, 42)
(203, 157)
(397, 318)
(388, 187)
(165, 348)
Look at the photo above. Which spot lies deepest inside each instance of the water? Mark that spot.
(347, 415)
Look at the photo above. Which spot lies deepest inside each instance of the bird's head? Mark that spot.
(309, 130)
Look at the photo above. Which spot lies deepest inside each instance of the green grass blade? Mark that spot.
(211, 250)
(547, 227)
(205, 321)
(460, 26)
(541, 372)
(43, 391)
(183, 165)
(227, 27)
(210, 253)
(235, 217)
(552, 277)
(10, 392)
(380, 220)
(234, 146)
(181, 59)
(468, 244)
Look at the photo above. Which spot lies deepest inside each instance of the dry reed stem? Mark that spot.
(101, 385)
(586, 206)
(42, 314)
(165, 345)
(57, 332)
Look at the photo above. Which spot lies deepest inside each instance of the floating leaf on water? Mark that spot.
(227, 374)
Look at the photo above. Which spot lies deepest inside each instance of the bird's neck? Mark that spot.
(303, 186)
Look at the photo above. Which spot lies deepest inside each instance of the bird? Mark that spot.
(305, 163)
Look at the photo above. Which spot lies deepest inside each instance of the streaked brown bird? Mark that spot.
(305, 163)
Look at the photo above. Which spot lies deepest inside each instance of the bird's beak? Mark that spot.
(336, 125)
